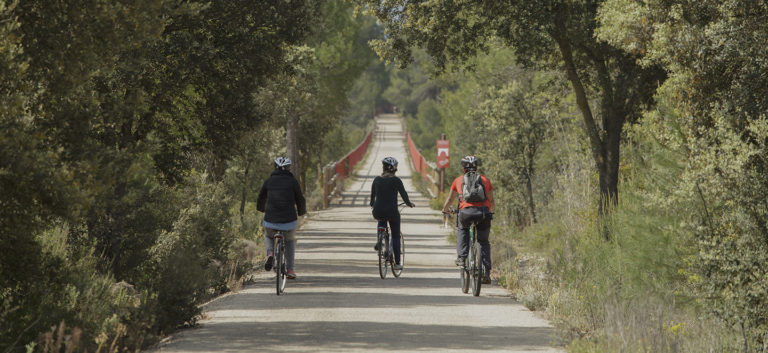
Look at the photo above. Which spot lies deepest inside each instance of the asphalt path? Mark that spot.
(339, 303)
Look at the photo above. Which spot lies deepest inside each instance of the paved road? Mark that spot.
(340, 304)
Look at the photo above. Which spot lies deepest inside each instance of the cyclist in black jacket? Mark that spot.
(280, 198)
(384, 192)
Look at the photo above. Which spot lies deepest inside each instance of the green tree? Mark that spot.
(338, 38)
(611, 88)
(312, 94)
(517, 111)
(366, 95)
(292, 96)
(515, 130)
(224, 56)
(118, 118)
(412, 85)
(50, 59)
(712, 50)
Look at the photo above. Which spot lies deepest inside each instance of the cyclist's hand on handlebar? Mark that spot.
(411, 205)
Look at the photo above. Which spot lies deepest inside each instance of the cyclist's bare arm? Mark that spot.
(449, 201)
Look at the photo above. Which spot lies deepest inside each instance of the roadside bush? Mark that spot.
(680, 273)
(728, 175)
(71, 295)
(186, 261)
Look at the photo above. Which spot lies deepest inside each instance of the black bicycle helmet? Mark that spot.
(282, 163)
(470, 163)
(389, 164)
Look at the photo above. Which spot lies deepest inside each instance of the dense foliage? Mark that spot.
(564, 99)
(133, 136)
(717, 78)
(609, 85)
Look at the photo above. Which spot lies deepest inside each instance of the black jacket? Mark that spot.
(279, 198)
(384, 192)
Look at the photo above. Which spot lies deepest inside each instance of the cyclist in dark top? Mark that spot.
(280, 198)
(384, 192)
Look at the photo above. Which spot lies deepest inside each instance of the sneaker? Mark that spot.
(486, 279)
(290, 274)
(398, 267)
(269, 262)
(460, 261)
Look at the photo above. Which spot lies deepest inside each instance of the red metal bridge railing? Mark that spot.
(346, 163)
(333, 174)
(428, 170)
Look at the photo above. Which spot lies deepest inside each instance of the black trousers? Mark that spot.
(481, 216)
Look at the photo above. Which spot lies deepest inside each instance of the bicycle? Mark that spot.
(386, 252)
(280, 268)
(473, 268)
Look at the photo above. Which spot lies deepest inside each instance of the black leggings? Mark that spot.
(394, 230)
(481, 217)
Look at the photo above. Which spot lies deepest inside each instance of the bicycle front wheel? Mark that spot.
(402, 257)
(279, 267)
(383, 253)
(477, 279)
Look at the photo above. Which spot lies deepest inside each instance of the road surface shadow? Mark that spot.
(295, 298)
(362, 335)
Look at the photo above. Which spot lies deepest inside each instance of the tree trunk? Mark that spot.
(529, 194)
(107, 229)
(609, 166)
(245, 194)
(117, 231)
(217, 167)
(303, 173)
(604, 144)
(292, 140)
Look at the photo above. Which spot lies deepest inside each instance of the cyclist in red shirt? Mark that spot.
(476, 204)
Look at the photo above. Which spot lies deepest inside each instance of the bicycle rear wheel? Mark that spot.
(280, 266)
(477, 279)
(402, 257)
(383, 253)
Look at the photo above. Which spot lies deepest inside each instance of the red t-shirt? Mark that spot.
(457, 186)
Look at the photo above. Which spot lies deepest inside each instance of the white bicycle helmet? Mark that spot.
(389, 163)
(282, 163)
(470, 162)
